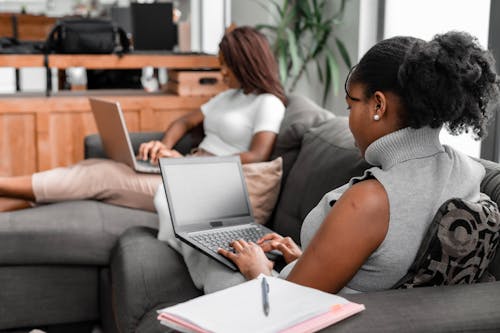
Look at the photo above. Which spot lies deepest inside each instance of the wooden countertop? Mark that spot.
(112, 61)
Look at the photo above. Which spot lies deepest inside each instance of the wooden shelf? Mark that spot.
(111, 61)
(129, 61)
(21, 60)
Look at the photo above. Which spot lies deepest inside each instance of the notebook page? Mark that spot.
(239, 308)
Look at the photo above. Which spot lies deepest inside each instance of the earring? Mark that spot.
(376, 117)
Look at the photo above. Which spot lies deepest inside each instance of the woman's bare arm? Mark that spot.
(152, 150)
(352, 231)
(180, 127)
(261, 147)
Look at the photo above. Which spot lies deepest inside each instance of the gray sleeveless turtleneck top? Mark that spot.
(419, 175)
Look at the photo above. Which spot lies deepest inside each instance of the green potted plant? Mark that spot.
(303, 33)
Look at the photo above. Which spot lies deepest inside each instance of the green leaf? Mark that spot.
(294, 54)
(332, 75)
(278, 8)
(266, 26)
(282, 63)
(341, 11)
(265, 5)
(322, 40)
(343, 52)
(304, 8)
(320, 70)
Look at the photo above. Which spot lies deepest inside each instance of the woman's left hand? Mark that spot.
(249, 257)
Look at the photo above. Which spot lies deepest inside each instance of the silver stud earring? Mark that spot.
(376, 117)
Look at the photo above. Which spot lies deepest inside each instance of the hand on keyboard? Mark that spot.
(285, 245)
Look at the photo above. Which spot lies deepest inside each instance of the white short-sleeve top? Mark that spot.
(233, 117)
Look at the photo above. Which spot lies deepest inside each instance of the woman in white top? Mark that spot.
(243, 120)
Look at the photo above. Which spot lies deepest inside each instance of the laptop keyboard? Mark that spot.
(221, 239)
(147, 166)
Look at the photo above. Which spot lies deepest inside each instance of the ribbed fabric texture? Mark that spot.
(418, 174)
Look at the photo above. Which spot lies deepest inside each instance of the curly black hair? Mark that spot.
(448, 81)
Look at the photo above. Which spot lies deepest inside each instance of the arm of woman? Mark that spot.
(155, 149)
(261, 147)
(354, 228)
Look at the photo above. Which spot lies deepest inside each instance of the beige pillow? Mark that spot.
(263, 183)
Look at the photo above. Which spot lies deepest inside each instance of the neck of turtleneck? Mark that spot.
(402, 145)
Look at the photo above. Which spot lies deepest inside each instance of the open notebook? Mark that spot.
(293, 309)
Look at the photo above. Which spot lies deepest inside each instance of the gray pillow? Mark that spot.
(328, 159)
(301, 115)
(458, 246)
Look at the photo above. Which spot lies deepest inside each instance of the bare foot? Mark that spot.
(10, 204)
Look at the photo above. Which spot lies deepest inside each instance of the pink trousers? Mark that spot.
(99, 179)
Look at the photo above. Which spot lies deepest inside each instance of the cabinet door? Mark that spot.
(43, 133)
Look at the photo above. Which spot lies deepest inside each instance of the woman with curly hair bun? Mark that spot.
(365, 235)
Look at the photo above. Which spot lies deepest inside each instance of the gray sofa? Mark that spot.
(148, 275)
(66, 264)
(54, 259)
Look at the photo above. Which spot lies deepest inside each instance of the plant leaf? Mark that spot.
(265, 5)
(343, 52)
(294, 54)
(282, 62)
(320, 70)
(332, 75)
(341, 11)
(278, 8)
(323, 36)
(266, 26)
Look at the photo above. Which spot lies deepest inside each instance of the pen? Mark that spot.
(265, 296)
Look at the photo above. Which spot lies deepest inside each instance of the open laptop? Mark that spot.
(209, 204)
(114, 135)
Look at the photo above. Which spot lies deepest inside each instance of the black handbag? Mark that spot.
(86, 35)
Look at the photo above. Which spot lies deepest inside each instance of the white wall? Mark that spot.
(426, 18)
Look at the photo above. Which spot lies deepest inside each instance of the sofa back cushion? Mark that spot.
(327, 159)
(491, 187)
(301, 115)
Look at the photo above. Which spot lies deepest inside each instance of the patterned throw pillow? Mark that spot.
(458, 247)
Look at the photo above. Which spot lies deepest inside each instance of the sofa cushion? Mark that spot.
(38, 295)
(458, 246)
(301, 115)
(491, 187)
(71, 232)
(328, 159)
(263, 184)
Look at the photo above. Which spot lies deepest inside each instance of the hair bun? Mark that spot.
(452, 78)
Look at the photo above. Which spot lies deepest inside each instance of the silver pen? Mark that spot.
(265, 296)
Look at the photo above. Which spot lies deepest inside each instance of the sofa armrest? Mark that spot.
(146, 274)
(464, 308)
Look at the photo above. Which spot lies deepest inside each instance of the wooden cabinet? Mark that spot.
(39, 133)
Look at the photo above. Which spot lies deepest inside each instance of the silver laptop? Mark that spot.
(114, 135)
(208, 202)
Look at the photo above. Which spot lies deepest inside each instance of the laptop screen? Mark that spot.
(209, 190)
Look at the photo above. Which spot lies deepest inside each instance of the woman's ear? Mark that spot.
(379, 101)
